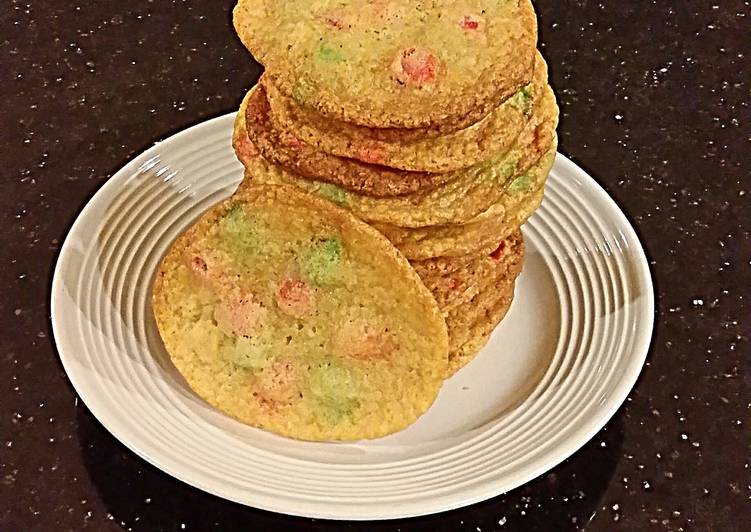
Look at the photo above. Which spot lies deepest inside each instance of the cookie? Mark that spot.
(241, 143)
(498, 305)
(520, 199)
(289, 151)
(455, 281)
(492, 135)
(384, 63)
(473, 293)
(471, 324)
(291, 315)
(459, 200)
(473, 237)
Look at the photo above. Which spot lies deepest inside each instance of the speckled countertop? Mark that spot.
(654, 99)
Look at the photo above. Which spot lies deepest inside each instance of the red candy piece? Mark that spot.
(294, 142)
(335, 22)
(199, 266)
(498, 253)
(333, 19)
(371, 154)
(415, 65)
(202, 267)
(455, 283)
(295, 298)
(470, 22)
(245, 148)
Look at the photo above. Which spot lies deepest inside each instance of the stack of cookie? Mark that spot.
(433, 122)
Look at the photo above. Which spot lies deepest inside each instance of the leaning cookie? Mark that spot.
(291, 315)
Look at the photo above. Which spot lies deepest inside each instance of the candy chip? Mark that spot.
(295, 298)
(415, 66)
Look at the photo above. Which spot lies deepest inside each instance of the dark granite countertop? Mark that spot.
(655, 104)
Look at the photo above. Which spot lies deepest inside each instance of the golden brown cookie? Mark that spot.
(473, 191)
(492, 135)
(292, 153)
(473, 293)
(385, 63)
(291, 315)
(521, 198)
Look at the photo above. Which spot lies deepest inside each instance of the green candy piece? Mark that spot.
(333, 387)
(497, 169)
(521, 183)
(235, 213)
(301, 91)
(507, 170)
(251, 353)
(333, 193)
(320, 262)
(331, 55)
(522, 100)
(238, 230)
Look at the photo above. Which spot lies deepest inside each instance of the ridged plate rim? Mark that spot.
(440, 497)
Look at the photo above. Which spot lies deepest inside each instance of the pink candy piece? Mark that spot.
(294, 142)
(383, 9)
(335, 19)
(335, 22)
(199, 266)
(361, 340)
(245, 148)
(239, 316)
(295, 298)
(203, 267)
(276, 386)
(415, 65)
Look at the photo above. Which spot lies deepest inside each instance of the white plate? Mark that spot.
(555, 370)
